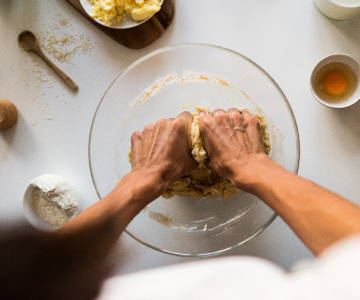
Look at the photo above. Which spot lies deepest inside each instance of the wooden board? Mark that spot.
(142, 35)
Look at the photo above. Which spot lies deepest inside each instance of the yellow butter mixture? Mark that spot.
(112, 12)
(202, 181)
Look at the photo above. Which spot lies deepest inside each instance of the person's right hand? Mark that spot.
(233, 141)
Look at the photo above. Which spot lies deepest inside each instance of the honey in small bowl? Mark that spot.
(335, 82)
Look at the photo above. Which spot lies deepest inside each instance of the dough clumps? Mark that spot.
(203, 182)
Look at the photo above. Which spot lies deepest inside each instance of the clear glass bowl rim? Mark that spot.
(164, 49)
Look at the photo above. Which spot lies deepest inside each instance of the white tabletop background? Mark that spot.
(286, 37)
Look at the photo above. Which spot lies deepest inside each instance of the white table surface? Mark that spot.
(285, 37)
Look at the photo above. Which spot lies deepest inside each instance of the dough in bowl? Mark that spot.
(203, 182)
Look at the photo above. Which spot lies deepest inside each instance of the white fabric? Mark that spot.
(335, 275)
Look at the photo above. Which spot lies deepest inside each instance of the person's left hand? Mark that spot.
(164, 148)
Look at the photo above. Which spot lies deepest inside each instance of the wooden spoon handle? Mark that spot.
(71, 84)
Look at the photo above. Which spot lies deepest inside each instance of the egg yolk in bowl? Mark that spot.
(335, 83)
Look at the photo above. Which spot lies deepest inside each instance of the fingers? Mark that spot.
(161, 127)
(205, 121)
(165, 143)
(183, 123)
(184, 119)
(148, 136)
(247, 116)
(207, 126)
(220, 116)
(202, 114)
(218, 113)
(161, 122)
(231, 118)
(204, 118)
(136, 139)
(254, 132)
(250, 120)
(148, 129)
(186, 116)
(236, 117)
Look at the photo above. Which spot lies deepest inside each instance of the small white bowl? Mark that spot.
(50, 180)
(125, 24)
(346, 60)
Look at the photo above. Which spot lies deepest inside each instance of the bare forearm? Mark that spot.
(75, 255)
(96, 229)
(318, 216)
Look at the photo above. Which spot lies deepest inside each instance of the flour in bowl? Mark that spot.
(53, 200)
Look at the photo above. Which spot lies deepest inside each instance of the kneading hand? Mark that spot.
(164, 147)
(233, 141)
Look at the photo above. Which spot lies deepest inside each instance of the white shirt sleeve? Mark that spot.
(333, 276)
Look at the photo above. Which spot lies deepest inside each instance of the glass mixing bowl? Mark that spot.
(160, 85)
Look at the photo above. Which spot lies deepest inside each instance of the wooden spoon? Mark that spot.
(29, 42)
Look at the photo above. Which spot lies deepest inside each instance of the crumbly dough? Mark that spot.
(113, 12)
(202, 181)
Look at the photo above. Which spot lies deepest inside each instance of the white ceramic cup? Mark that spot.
(339, 9)
(354, 66)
